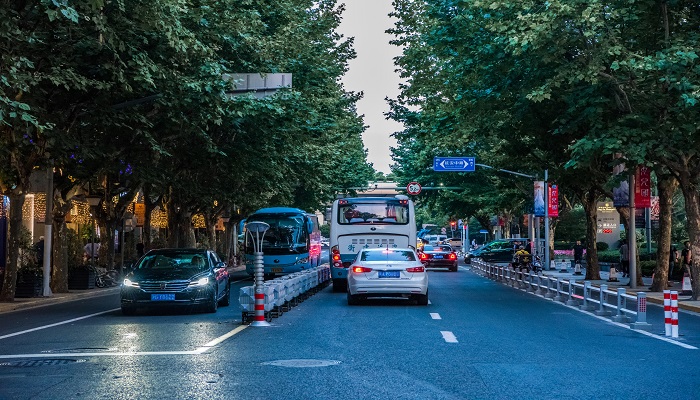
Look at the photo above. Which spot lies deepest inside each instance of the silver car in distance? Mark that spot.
(383, 272)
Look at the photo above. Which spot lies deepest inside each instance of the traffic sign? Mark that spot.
(413, 188)
(453, 164)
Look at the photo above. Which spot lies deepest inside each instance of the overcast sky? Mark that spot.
(372, 72)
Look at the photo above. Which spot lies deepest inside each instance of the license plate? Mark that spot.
(277, 270)
(163, 297)
(437, 257)
(389, 274)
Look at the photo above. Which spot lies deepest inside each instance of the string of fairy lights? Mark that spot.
(35, 208)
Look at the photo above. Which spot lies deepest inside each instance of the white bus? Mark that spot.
(364, 222)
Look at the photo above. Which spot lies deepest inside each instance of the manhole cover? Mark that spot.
(38, 363)
(302, 363)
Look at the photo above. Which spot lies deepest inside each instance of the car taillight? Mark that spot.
(358, 269)
(416, 269)
(453, 256)
(423, 256)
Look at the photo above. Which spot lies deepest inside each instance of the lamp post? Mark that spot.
(257, 230)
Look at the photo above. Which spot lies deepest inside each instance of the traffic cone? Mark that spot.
(577, 269)
(687, 288)
(613, 274)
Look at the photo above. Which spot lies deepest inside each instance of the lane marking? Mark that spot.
(57, 324)
(221, 338)
(430, 302)
(435, 315)
(449, 337)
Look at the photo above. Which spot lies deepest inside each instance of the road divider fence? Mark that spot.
(284, 292)
(600, 300)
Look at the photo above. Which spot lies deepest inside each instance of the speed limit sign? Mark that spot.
(413, 188)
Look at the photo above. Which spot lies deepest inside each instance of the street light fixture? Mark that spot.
(257, 230)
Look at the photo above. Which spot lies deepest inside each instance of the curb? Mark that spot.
(56, 298)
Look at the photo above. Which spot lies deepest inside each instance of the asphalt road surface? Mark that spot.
(477, 339)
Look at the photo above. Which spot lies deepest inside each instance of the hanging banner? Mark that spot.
(140, 213)
(539, 199)
(642, 187)
(621, 193)
(553, 206)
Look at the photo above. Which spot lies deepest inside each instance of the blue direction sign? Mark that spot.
(453, 164)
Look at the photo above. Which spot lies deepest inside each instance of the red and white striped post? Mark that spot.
(257, 231)
(667, 312)
(674, 314)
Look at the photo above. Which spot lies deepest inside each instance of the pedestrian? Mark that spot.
(39, 248)
(92, 250)
(686, 257)
(625, 259)
(672, 260)
(474, 245)
(139, 249)
(578, 252)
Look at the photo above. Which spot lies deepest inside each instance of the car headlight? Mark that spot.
(130, 283)
(302, 261)
(200, 282)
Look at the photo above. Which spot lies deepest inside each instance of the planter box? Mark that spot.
(81, 279)
(29, 285)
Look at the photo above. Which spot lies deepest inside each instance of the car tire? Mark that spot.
(454, 268)
(213, 303)
(226, 300)
(422, 299)
(128, 310)
(353, 299)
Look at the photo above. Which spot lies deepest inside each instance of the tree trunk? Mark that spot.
(59, 269)
(689, 187)
(666, 185)
(590, 206)
(15, 233)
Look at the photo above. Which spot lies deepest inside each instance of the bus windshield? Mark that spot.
(390, 212)
(285, 235)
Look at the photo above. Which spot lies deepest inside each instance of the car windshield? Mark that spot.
(388, 255)
(196, 261)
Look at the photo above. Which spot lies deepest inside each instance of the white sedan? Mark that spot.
(382, 272)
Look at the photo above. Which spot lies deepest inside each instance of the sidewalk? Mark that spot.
(73, 295)
(684, 301)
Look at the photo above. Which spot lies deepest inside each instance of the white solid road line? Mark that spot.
(435, 315)
(449, 337)
(57, 324)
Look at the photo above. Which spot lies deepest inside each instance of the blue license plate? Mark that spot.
(163, 297)
(437, 256)
(389, 274)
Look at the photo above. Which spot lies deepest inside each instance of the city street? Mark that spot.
(476, 339)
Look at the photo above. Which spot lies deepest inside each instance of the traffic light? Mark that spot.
(453, 225)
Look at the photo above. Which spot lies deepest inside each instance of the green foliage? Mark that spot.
(602, 246)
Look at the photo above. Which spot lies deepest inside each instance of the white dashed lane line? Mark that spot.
(449, 337)
(435, 315)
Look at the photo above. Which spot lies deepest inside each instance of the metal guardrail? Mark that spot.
(601, 300)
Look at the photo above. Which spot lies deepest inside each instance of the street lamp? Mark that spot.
(257, 231)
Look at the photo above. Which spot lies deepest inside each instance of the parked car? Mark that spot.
(176, 277)
(382, 272)
(501, 250)
(455, 243)
(442, 256)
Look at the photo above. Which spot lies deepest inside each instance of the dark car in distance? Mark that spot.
(440, 256)
(176, 277)
(499, 251)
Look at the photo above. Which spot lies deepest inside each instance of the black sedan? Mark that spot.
(441, 256)
(176, 277)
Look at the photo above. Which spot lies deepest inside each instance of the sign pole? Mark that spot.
(546, 219)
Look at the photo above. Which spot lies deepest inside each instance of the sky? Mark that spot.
(372, 72)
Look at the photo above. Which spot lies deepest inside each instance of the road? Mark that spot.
(476, 339)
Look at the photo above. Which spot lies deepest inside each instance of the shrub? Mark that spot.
(647, 267)
(602, 246)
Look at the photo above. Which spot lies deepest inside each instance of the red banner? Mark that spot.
(642, 187)
(553, 206)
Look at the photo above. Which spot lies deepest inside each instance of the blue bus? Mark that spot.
(292, 243)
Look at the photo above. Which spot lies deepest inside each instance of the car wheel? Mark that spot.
(453, 268)
(353, 299)
(128, 310)
(226, 300)
(213, 302)
(422, 299)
